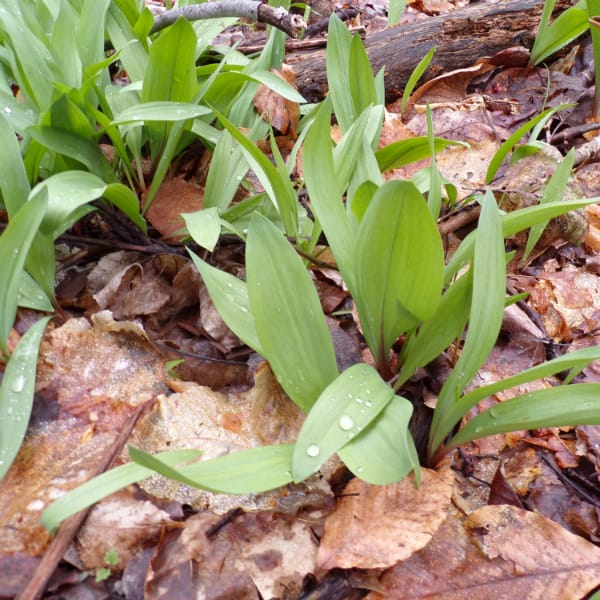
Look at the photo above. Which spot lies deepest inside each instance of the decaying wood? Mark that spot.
(478, 30)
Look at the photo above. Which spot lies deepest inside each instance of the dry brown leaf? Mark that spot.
(122, 523)
(247, 554)
(174, 196)
(497, 552)
(88, 383)
(283, 114)
(376, 526)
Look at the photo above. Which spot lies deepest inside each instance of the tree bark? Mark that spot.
(461, 37)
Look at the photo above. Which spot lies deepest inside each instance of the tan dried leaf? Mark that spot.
(281, 113)
(377, 526)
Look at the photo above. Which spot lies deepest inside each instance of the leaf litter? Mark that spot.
(464, 533)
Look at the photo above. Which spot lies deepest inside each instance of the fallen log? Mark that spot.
(478, 30)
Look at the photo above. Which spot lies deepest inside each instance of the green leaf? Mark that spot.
(437, 333)
(566, 405)
(345, 407)
(395, 10)
(230, 296)
(338, 74)
(15, 242)
(485, 319)
(514, 222)
(82, 149)
(410, 150)
(415, 76)
(514, 139)
(32, 296)
(569, 25)
(14, 184)
(276, 182)
(108, 483)
(204, 226)
(399, 265)
(126, 200)
(16, 394)
(170, 76)
(160, 111)
(323, 187)
(384, 452)
(67, 193)
(362, 82)
(245, 472)
(288, 316)
(553, 192)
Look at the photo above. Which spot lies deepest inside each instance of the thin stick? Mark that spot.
(39, 580)
(254, 10)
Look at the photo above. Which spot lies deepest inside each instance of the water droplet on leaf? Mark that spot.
(313, 450)
(346, 422)
(18, 385)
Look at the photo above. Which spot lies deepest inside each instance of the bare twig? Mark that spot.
(39, 580)
(254, 10)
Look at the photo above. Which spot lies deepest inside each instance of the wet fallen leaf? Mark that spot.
(377, 526)
(498, 551)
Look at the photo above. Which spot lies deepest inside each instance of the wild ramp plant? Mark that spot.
(53, 168)
(389, 252)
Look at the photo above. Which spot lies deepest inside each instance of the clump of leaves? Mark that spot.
(389, 251)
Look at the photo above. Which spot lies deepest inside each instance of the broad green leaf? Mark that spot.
(245, 472)
(275, 83)
(485, 319)
(287, 312)
(576, 361)
(384, 452)
(67, 193)
(415, 76)
(323, 187)
(338, 72)
(276, 182)
(170, 76)
(395, 10)
(126, 200)
(120, 32)
(106, 484)
(564, 405)
(230, 296)
(33, 66)
(362, 82)
(63, 46)
(569, 25)
(41, 263)
(437, 333)
(82, 149)
(227, 169)
(410, 150)
(15, 242)
(16, 394)
(171, 72)
(160, 111)
(515, 138)
(344, 408)
(91, 31)
(514, 222)
(14, 184)
(399, 268)
(32, 296)
(553, 192)
(204, 226)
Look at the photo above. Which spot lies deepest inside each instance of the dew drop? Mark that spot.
(8, 110)
(359, 400)
(243, 309)
(360, 469)
(368, 404)
(313, 450)
(346, 422)
(229, 284)
(18, 385)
